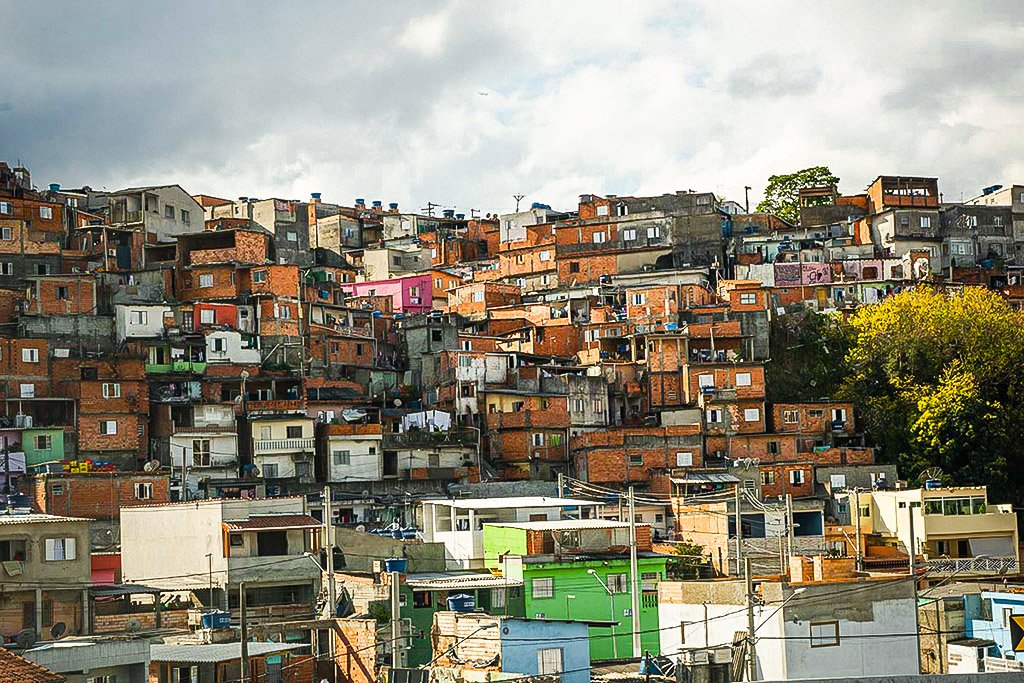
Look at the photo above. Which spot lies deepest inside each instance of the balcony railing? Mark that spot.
(972, 565)
(179, 366)
(282, 445)
(423, 438)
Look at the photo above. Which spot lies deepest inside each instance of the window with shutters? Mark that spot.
(108, 427)
(617, 583)
(143, 491)
(796, 477)
(30, 355)
(60, 549)
(111, 390)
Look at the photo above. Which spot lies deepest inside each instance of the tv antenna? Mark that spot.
(518, 198)
(429, 209)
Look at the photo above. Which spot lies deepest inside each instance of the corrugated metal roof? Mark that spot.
(563, 524)
(706, 478)
(35, 518)
(221, 652)
(447, 580)
(513, 502)
(275, 522)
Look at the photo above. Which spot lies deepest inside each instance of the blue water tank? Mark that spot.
(461, 603)
(393, 206)
(449, 213)
(216, 619)
(314, 195)
(360, 201)
(931, 484)
(538, 205)
(377, 203)
(396, 564)
(54, 187)
(460, 216)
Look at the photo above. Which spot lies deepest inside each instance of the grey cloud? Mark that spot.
(774, 76)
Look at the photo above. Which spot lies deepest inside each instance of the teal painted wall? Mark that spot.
(35, 456)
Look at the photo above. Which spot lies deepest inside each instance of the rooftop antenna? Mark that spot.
(518, 198)
(430, 208)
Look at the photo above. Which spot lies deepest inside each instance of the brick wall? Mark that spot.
(355, 642)
(97, 496)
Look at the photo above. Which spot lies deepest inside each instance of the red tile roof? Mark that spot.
(266, 522)
(15, 669)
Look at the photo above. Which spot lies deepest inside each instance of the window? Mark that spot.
(219, 344)
(6, 233)
(599, 238)
(108, 427)
(617, 583)
(6, 208)
(206, 316)
(751, 414)
(44, 442)
(498, 598)
(773, 448)
(706, 381)
(168, 211)
(265, 433)
(629, 234)
(294, 431)
(636, 460)
(111, 390)
(839, 414)
(537, 438)
(422, 599)
(6, 268)
(185, 217)
(637, 299)
(926, 221)
(143, 491)
(259, 276)
(796, 477)
(201, 452)
(359, 349)
(814, 413)
(768, 478)
(574, 267)
(743, 379)
(13, 551)
(60, 549)
(28, 390)
(791, 417)
(185, 674)
(46, 212)
(206, 280)
(542, 588)
(714, 415)
(748, 299)
(602, 210)
(654, 232)
(140, 317)
(342, 457)
(824, 634)
(997, 221)
(684, 459)
(282, 311)
(101, 679)
(549, 660)
(62, 293)
(30, 355)
(269, 471)
(544, 255)
(649, 581)
(555, 440)
(292, 236)
(621, 210)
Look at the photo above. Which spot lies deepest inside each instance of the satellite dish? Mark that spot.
(58, 630)
(151, 466)
(133, 626)
(26, 638)
(930, 473)
(397, 402)
(361, 528)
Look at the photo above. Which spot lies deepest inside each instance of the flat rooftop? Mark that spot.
(514, 502)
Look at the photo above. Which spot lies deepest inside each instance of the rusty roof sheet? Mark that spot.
(273, 522)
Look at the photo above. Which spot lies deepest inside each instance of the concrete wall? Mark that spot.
(153, 327)
(192, 531)
(521, 642)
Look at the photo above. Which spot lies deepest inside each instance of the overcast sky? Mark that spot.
(466, 103)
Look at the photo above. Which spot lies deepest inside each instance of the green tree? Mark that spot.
(782, 193)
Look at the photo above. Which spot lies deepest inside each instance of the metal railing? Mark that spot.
(972, 565)
(266, 445)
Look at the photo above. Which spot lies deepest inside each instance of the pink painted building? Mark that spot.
(409, 294)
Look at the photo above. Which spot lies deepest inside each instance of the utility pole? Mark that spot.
(746, 197)
(739, 530)
(518, 198)
(332, 592)
(244, 676)
(561, 483)
(790, 537)
(911, 548)
(209, 559)
(396, 629)
(634, 577)
(751, 648)
(856, 528)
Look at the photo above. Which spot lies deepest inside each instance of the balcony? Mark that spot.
(972, 565)
(282, 445)
(271, 568)
(204, 429)
(177, 367)
(425, 439)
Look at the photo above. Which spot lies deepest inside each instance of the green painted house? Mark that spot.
(421, 595)
(43, 445)
(579, 569)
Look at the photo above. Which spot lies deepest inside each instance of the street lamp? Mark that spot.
(611, 611)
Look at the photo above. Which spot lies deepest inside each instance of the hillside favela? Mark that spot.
(660, 438)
